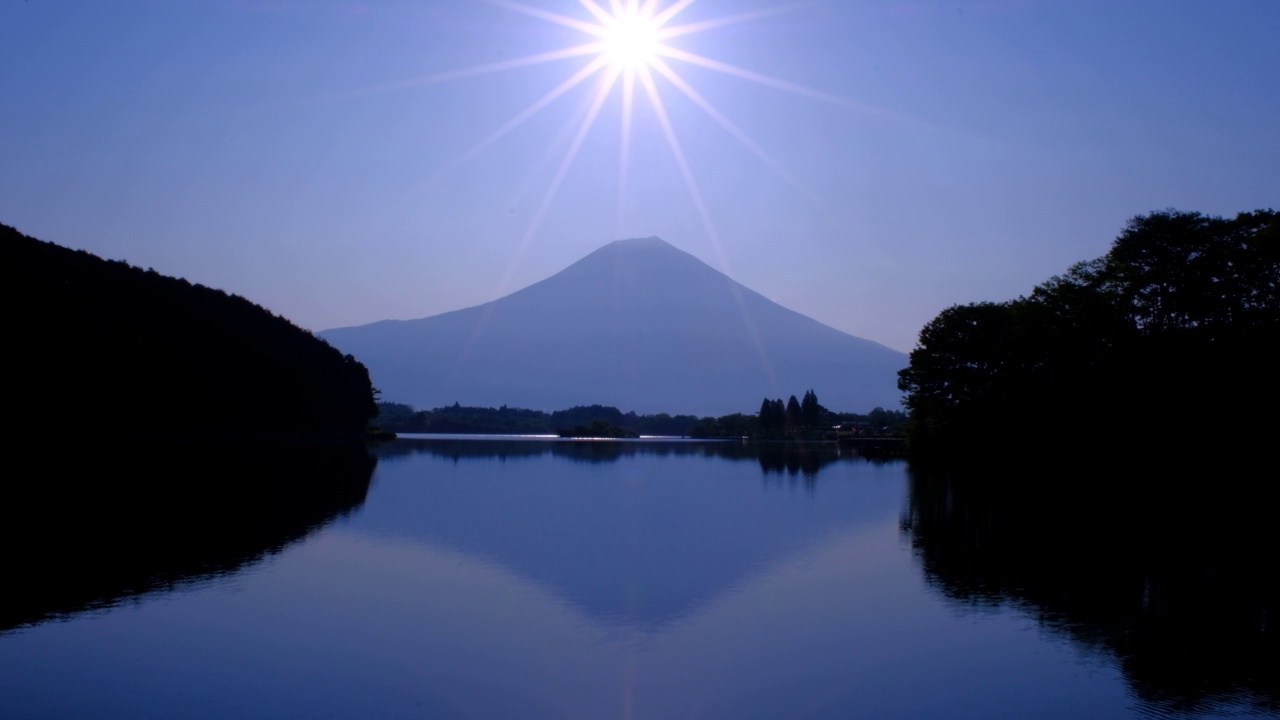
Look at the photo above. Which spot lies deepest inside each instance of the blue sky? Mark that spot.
(298, 152)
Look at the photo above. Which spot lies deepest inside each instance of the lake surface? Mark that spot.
(483, 578)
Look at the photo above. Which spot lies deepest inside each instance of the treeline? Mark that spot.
(460, 419)
(803, 419)
(1167, 341)
(104, 347)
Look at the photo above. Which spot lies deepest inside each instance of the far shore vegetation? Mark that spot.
(795, 419)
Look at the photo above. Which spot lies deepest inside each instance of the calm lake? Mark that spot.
(487, 578)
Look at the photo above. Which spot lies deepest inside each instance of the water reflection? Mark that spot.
(675, 583)
(640, 543)
(1176, 577)
(486, 637)
(776, 458)
(98, 524)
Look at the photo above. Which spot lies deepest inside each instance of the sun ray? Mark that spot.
(517, 120)
(691, 184)
(557, 18)
(504, 65)
(668, 32)
(589, 121)
(743, 73)
(672, 11)
(601, 14)
(664, 120)
(624, 146)
(592, 48)
(785, 86)
(537, 106)
(737, 133)
(589, 113)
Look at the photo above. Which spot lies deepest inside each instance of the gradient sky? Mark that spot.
(306, 155)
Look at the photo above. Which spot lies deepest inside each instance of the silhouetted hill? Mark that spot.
(637, 324)
(101, 346)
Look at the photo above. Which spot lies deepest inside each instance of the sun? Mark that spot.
(629, 51)
(631, 39)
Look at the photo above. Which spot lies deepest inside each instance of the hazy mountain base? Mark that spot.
(636, 324)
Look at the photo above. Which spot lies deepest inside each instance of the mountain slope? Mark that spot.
(637, 324)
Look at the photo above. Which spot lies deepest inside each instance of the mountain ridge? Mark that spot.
(638, 324)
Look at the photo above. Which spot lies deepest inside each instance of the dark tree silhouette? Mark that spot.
(1178, 322)
(793, 415)
(810, 410)
(773, 416)
(102, 346)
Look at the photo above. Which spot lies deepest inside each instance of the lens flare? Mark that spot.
(628, 45)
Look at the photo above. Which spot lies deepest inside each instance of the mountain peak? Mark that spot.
(639, 324)
(651, 241)
(630, 245)
(627, 264)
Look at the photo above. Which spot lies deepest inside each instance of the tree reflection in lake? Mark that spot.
(104, 523)
(1170, 570)
(546, 581)
(777, 458)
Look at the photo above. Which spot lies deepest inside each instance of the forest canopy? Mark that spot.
(105, 347)
(1167, 340)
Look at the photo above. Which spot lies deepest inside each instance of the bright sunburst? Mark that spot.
(627, 46)
(631, 38)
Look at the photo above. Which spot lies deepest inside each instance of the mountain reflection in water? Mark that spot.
(102, 523)
(1177, 579)
(610, 520)
(555, 578)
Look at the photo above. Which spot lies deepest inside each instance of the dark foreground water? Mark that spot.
(556, 579)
